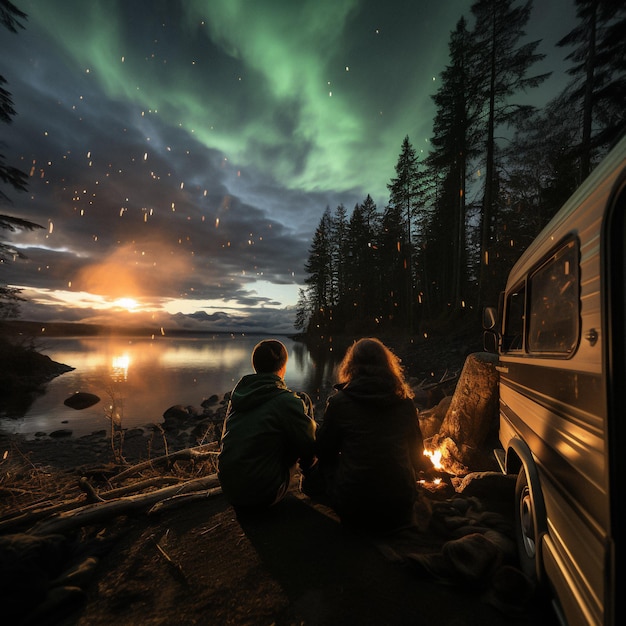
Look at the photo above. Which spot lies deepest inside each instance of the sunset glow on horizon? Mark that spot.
(130, 304)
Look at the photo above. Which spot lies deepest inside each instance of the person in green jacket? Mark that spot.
(268, 429)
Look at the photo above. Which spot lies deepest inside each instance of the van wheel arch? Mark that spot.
(530, 511)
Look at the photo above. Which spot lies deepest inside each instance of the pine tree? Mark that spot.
(304, 311)
(13, 224)
(370, 270)
(498, 31)
(362, 273)
(339, 253)
(455, 141)
(394, 262)
(355, 278)
(10, 17)
(370, 215)
(541, 171)
(406, 198)
(598, 85)
(405, 189)
(320, 274)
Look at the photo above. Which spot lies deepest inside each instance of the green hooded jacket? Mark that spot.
(266, 432)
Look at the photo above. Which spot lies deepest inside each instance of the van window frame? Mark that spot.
(513, 342)
(522, 346)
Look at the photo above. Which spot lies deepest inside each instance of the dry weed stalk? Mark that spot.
(115, 413)
(26, 487)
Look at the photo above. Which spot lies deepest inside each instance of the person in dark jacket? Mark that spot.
(267, 430)
(369, 445)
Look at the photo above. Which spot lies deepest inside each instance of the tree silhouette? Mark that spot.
(319, 268)
(503, 73)
(457, 247)
(363, 272)
(455, 141)
(598, 85)
(10, 17)
(406, 198)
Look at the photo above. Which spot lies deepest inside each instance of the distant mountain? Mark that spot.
(203, 316)
(182, 324)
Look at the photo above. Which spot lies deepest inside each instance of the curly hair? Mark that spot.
(369, 357)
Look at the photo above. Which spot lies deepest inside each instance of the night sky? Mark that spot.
(181, 153)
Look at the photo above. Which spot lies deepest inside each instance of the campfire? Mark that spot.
(455, 430)
(437, 479)
(447, 456)
(435, 458)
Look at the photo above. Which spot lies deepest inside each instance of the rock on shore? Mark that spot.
(182, 427)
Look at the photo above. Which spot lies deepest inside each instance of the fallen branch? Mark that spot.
(87, 487)
(33, 513)
(176, 567)
(209, 530)
(427, 384)
(18, 512)
(29, 517)
(184, 498)
(94, 513)
(156, 481)
(12, 491)
(140, 485)
(198, 453)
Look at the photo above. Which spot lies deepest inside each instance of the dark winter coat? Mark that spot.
(370, 447)
(266, 432)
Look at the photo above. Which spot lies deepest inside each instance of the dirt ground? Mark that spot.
(295, 564)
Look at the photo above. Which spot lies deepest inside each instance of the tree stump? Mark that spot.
(471, 416)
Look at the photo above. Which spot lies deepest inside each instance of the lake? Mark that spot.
(144, 377)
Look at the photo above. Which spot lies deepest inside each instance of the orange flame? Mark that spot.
(435, 458)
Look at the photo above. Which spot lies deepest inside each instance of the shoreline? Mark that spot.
(184, 426)
(64, 451)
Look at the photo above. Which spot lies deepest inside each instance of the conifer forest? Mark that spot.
(497, 171)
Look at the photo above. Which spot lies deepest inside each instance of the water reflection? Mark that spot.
(319, 367)
(138, 379)
(120, 367)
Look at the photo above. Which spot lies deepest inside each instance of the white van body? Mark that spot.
(562, 353)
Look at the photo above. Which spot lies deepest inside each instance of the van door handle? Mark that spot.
(592, 336)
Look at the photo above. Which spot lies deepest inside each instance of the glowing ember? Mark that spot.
(434, 481)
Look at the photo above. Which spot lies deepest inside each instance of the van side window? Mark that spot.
(512, 339)
(554, 303)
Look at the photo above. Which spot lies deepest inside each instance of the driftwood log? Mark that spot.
(470, 417)
(45, 509)
(183, 498)
(28, 517)
(140, 485)
(97, 512)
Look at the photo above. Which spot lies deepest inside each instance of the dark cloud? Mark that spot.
(183, 153)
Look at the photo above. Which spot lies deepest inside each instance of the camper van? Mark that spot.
(560, 334)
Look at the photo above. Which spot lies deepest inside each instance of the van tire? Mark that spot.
(527, 534)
